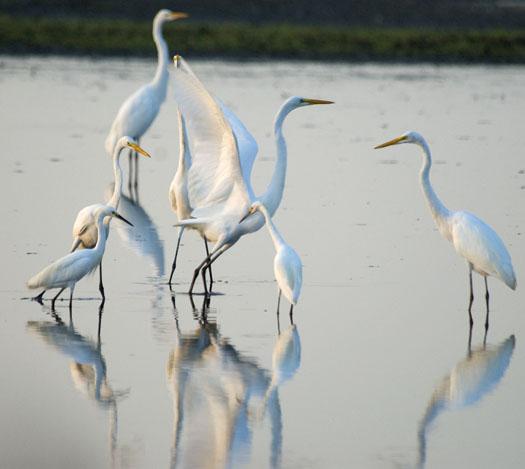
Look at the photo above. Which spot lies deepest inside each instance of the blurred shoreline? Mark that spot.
(127, 37)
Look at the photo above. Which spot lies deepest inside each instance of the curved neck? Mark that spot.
(117, 173)
(103, 229)
(274, 193)
(439, 211)
(277, 239)
(160, 81)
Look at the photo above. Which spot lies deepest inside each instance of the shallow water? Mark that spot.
(374, 374)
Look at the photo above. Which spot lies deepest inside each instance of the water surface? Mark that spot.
(376, 372)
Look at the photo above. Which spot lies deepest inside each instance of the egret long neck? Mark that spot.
(103, 229)
(160, 81)
(277, 239)
(439, 212)
(117, 173)
(274, 193)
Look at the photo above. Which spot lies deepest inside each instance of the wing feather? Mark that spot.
(216, 166)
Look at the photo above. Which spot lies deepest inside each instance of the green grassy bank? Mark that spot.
(77, 36)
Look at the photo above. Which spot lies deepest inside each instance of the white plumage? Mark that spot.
(219, 190)
(471, 237)
(68, 270)
(287, 265)
(138, 112)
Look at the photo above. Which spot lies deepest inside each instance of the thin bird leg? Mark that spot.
(471, 297)
(291, 314)
(278, 301)
(487, 296)
(100, 284)
(208, 254)
(39, 297)
(174, 265)
(71, 299)
(215, 256)
(196, 274)
(469, 350)
(100, 311)
(55, 298)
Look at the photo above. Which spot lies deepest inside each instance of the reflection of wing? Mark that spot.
(214, 389)
(143, 237)
(469, 381)
(216, 168)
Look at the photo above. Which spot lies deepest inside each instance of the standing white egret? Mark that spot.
(68, 270)
(85, 232)
(287, 266)
(223, 153)
(471, 237)
(139, 111)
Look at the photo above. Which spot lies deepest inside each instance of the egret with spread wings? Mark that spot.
(218, 180)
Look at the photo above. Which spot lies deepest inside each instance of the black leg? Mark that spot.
(196, 274)
(70, 300)
(291, 314)
(487, 301)
(39, 297)
(471, 299)
(55, 298)
(208, 255)
(469, 349)
(174, 265)
(215, 256)
(100, 283)
(278, 301)
(100, 311)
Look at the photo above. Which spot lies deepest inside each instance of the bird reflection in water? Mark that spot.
(88, 368)
(144, 238)
(221, 396)
(469, 381)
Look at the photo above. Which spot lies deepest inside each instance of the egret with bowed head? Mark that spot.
(287, 266)
(68, 270)
(471, 237)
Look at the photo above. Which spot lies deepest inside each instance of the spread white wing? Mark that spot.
(222, 150)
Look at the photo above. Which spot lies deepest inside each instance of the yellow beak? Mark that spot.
(316, 101)
(138, 149)
(390, 142)
(177, 15)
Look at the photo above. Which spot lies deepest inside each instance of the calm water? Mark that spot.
(376, 372)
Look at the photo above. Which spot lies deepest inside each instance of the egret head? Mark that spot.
(109, 211)
(128, 142)
(254, 207)
(408, 137)
(296, 101)
(167, 15)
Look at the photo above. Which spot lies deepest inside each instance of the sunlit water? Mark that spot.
(376, 372)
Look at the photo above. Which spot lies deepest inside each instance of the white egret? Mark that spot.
(287, 266)
(470, 380)
(68, 270)
(471, 237)
(85, 232)
(178, 190)
(139, 111)
(223, 153)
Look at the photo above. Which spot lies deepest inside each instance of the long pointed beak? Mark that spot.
(316, 101)
(178, 15)
(390, 142)
(139, 150)
(245, 217)
(120, 217)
